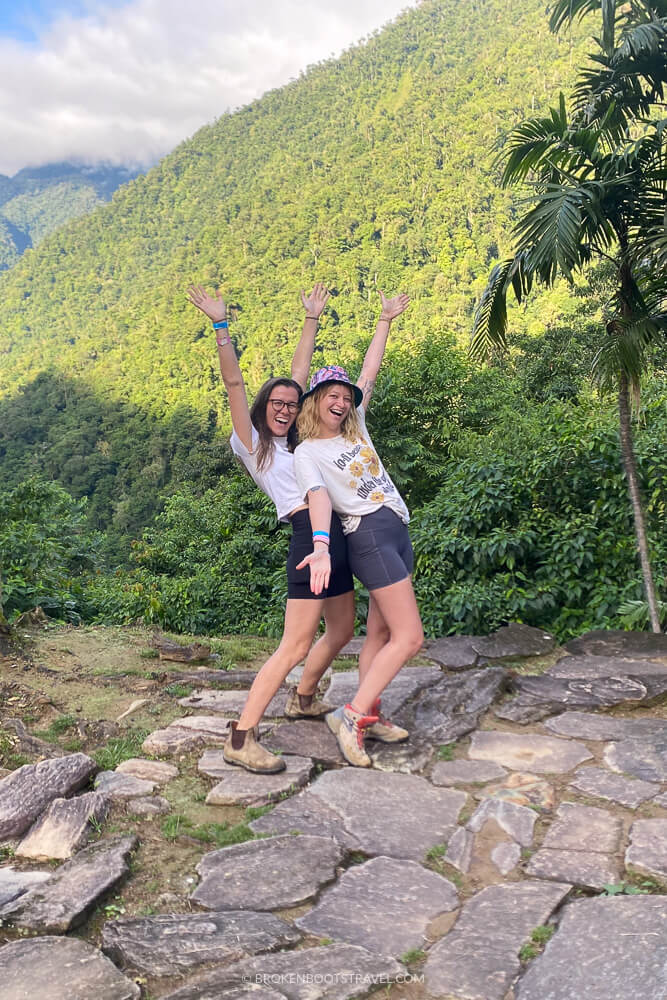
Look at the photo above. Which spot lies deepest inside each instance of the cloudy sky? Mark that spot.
(126, 80)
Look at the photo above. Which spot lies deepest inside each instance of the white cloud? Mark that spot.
(126, 85)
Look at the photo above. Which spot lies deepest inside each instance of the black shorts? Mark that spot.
(380, 550)
(301, 545)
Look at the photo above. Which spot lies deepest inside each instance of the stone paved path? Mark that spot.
(514, 849)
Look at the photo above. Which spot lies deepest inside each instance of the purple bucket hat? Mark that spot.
(333, 373)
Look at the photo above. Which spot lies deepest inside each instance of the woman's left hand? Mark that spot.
(320, 569)
(391, 308)
(315, 302)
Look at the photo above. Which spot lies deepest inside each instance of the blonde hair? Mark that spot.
(308, 421)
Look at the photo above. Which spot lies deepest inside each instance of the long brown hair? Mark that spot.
(266, 446)
(308, 421)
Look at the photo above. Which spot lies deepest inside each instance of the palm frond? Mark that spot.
(489, 332)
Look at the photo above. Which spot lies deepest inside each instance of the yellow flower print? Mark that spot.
(353, 484)
(374, 469)
(356, 469)
(377, 496)
(367, 455)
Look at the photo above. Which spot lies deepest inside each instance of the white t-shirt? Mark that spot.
(354, 476)
(277, 479)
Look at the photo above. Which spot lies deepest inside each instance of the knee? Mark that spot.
(295, 650)
(340, 634)
(412, 641)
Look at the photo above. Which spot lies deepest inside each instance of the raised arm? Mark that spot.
(216, 311)
(314, 305)
(391, 308)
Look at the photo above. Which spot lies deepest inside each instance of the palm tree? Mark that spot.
(599, 179)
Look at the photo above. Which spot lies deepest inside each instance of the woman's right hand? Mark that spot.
(315, 302)
(320, 568)
(215, 309)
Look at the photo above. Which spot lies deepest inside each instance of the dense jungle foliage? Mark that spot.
(375, 170)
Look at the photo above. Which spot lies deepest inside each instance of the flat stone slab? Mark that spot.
(67, 898)
(407, 758)
(455, 652)
(27, 791)
(409, 682)
(306, 738)
(240, 787)
(306, 813)
(616, 642)
(601, 667)
(353, 647)
(642, 759)
(589, 726)
(148, 770)
(479, 958)
(517, 821)
(630, 792)
(266, 874)
(186, 734)
(465, 772)
(61, 969)
(459, 849)
(522, 789)
(333, 972)
(660, 800)
(647, 852)
(178, 943)
(538, 697)
(452, 707)
(518, 752)
(152, 805)
(122, 786)
(584, 828)
(383, 905)
(604, 949)
(231, 703)
(14, 883)
(514, 640)
(582, 868)
(64, 827)
(505, 857)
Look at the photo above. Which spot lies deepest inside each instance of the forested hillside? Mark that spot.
(37, 200)
(372, 170)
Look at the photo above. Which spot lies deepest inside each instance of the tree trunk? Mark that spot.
(630, 466)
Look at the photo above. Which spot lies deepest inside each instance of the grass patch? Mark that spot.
(57, 728)
(413, 956)
(149, 654)
(436, 852)
(538, 938)
(446, 751)
(119, 748)
(219, 834)
(178, 690)
(9, 758)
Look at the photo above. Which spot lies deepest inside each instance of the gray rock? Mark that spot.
(353, 647)
(64, 827)
(601, 667)
(122, 786)
(478, 959)
(66, 899)
(266, 874)
(582, 868)
(514, 640)
(61, 969)
(230, 703)
(518, 752)
(455, 652)
(306, 813)
(152, 805)
(177, 943)
(452, 707)
(240, 787)
(630, 792)
(604, 949)
(389, 827)
(647, 852)
(459, 849)
(306, 738)
(545, 695)
(409, 682)
(660, 800)
(506, 856)
(27, 744)
(14, 883)
(465, 772)
(383, 905)
(148, 770)
(335, 972)
(642, 759)
(407, 758)
(26, 792)
(615, 642)
(172, 741)
(588, 726)
(517, 821)
(584, 828)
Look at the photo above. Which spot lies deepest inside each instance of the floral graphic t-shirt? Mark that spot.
(352, 473)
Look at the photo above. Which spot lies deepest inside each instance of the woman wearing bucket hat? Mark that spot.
(263, 438)
(337, 465)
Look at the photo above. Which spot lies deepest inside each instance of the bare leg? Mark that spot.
(398, 607)
(339, 618)
(301, 621)
(377, 635)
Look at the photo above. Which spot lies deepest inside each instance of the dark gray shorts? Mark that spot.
(380, 551)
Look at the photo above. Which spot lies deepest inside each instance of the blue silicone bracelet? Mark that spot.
(222, 325)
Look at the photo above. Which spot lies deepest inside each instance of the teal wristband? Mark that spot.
(325, 534)
(222, 325)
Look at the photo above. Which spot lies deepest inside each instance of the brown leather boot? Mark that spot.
(243, 749)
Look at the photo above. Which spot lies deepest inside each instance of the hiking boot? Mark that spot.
(305, 706)
(350, 730)
(243, 749)
(384, 729)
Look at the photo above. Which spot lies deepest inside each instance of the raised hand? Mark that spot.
(315, 302)
(391, 308)
(320, 569)
(215, 309)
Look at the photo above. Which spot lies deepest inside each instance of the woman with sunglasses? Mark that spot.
(264, 438)
(336, 464)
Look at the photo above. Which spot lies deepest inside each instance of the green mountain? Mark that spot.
(372, 170)
(37, 200)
